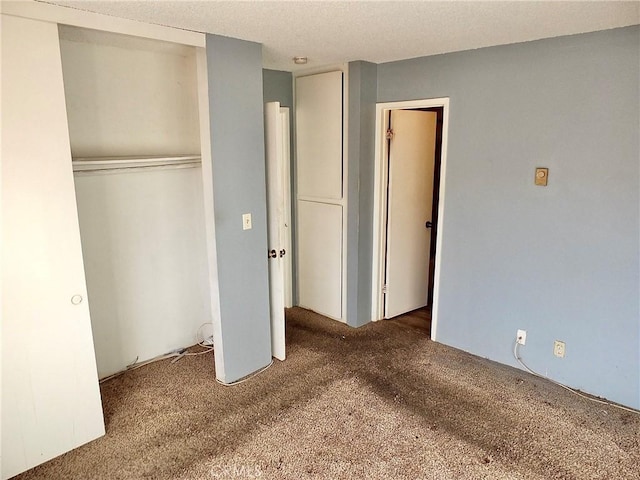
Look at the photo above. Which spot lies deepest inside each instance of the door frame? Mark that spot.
(285, 117)
(381, 176)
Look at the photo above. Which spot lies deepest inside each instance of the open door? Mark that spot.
(278, 220)
(412, 143)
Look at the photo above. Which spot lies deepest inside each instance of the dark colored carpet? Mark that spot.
(382, 401)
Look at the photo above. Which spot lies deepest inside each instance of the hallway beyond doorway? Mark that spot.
(419, 319)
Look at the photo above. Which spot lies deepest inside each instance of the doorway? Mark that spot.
(408, 205)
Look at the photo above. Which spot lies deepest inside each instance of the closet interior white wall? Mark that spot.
(132, 106)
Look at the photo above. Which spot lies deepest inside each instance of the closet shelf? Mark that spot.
(140, 162)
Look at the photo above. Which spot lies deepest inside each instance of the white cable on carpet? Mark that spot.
(176, 354)
(572, 390)
(249, 377)
(199, 334)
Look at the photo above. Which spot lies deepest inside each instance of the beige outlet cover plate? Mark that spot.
(542, 175)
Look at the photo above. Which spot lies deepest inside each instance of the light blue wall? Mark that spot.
(277, 86)
(362, 91)
(561, 262)
(237, 144)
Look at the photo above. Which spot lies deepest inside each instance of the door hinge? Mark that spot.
(384, 289)
(389, 134)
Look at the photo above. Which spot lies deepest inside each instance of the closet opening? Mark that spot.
(132, 108)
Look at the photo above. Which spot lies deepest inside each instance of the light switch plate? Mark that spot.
(246, 221)
(542, 176)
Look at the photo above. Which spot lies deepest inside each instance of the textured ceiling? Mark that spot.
(378, 31)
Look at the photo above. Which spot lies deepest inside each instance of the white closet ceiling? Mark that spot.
(376, 31)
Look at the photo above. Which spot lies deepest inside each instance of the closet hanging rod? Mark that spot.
(96, 164)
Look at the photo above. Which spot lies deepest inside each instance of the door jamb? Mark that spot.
(209, 216)
(285, 116)
(380, 199)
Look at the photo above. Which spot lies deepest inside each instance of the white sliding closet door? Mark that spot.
(50, 394)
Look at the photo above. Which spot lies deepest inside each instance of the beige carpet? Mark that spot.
(379, 402)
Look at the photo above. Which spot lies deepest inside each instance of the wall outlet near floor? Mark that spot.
(558, 348)
(521, 337)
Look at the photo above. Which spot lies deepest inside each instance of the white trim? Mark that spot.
(81, 18)
(339, 67)
(345, 186)
(209, 219)
(380, 199)
(285, 116)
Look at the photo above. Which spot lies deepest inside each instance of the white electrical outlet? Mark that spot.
(246, 221)
(558, 348)
(522, 337)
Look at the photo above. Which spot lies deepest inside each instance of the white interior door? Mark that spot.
(410, 200)
(276, 225)
(50, 393)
